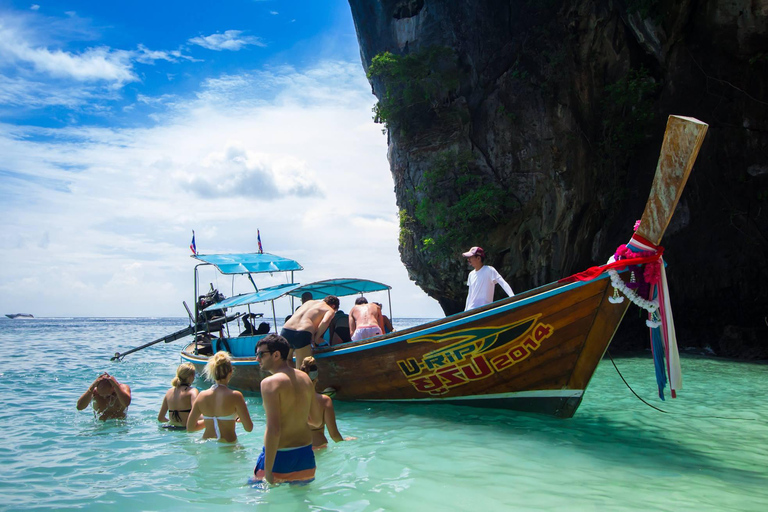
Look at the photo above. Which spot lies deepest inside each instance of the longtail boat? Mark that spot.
(538, 350)
(533, 352)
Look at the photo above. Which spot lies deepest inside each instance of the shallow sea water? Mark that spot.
(708, 452)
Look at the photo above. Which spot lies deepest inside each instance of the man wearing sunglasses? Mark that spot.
(289, 399)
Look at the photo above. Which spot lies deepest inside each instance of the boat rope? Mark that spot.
(630, 387)
(662, 410)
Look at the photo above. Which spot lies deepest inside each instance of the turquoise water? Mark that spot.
(707, 453)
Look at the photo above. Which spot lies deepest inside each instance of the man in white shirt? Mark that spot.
(482, 280)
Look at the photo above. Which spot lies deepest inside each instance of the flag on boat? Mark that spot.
(258, 238)
(192, 246)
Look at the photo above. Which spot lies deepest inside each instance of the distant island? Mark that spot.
(19, 315)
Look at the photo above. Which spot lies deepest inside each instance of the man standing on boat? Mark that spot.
(482, 280)
(291, 409)
(365, 320)
(110, 398)
(307, 325)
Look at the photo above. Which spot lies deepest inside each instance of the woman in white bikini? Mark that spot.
(220, 407)
(319, 440)
(177, 402)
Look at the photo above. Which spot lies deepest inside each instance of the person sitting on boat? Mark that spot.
(220, 407)
(306, 327)
(178, 400)
(339, 329)
(365, 320)
(110, 399)
(387, 322)
(482, 280)
(291, 409)
(250, 330)
(319, 440)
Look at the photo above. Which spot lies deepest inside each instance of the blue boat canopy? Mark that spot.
(251, 262)
(263, 295)
(339, 287)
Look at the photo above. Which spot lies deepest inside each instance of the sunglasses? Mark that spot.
(260, 353)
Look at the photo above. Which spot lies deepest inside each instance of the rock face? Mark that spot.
(532, 129)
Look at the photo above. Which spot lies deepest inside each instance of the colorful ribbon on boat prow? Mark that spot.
(641, 252)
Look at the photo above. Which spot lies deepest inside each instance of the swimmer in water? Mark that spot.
(220, 407)
(178, 400)
(110, 399)
(319, 440)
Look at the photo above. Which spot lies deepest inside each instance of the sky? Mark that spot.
(124, 126)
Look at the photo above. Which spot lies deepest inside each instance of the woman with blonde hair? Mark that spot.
(178, 400)
(319, 440)
(219, 406)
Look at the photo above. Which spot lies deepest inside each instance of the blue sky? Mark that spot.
(126, 125)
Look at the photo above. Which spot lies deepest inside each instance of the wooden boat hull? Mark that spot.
(535, 352)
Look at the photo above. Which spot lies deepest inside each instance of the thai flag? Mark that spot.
(192, 246)
(258, 237)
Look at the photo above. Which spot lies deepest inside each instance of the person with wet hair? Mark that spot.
(177, 402)
(221, 408)
(110, 399)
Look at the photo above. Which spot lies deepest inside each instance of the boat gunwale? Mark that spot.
(515, 301)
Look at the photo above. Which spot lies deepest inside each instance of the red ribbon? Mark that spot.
(594, 272)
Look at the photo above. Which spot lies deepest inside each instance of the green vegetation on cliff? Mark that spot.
(453, 201)
(417, 87)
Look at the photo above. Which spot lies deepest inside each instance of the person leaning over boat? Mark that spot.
(291, 409)
(220, 407)
(482, 280)
(110, 399)
(339, 328)
(319, 440)
(307, 325)
(365, 320)
(178, 400)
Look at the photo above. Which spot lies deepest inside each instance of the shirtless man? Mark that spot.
(110, 399)
(365, 320)
(291, 409)
(306, 327)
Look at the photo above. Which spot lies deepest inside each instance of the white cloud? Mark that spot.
(22, 92)
(34, 7)
(229, 40)
(98, 221)
(98, 63)
(35, 72)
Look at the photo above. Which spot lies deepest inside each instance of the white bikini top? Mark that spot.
(230, 417)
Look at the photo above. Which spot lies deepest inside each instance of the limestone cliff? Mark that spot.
(532, 128)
